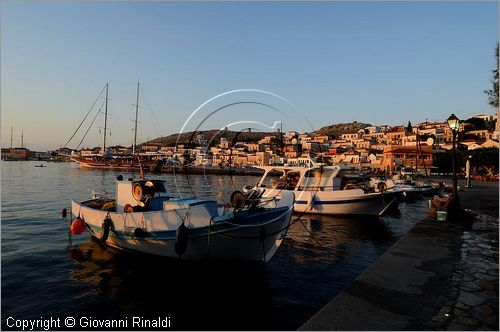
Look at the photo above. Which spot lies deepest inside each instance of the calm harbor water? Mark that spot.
(42, 278)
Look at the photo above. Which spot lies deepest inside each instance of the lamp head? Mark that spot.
(453, 122)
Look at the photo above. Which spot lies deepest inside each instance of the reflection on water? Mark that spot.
(196, 295)
(319, 257)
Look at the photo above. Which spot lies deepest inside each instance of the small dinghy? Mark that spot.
(41, 165)
(145, 218)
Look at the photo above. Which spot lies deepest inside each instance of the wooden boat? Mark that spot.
(145, 218)
(327, 190)
(107, 160)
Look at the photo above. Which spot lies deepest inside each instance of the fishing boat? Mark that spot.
(328, 190)
(145, 217)
(406, 182)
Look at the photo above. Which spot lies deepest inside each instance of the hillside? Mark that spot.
(211, 135)
(336, 130)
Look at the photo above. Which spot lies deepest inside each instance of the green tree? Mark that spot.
(493, 93)
(409, 128)
(475, 124)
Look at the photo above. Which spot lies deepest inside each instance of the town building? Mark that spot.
(396, 156)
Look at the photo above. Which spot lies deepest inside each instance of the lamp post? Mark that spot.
(454, 124)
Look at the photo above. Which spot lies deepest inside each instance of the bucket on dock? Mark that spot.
(442, 215)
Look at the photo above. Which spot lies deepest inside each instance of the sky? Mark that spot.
(306, 64)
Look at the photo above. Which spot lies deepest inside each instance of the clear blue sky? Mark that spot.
(375, 62)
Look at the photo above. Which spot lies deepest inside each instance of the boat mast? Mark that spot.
(22, 139)
(135, 122)
(11, 129)
(105, 122)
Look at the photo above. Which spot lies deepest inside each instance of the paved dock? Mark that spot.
(439, 276)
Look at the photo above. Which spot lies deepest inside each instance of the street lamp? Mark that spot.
(454, 124)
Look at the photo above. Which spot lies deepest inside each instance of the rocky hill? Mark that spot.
(336, 130)
(212, 136)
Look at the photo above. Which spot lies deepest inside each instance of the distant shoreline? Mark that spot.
(209, 170)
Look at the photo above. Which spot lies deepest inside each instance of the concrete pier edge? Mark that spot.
(431, 279)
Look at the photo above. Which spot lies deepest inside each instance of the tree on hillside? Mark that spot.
(475, 124)
(493, 93)
(409, 128)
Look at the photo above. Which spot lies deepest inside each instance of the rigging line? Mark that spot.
(93, 104)
(153, 114)
(90, 126)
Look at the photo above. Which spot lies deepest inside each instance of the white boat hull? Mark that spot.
(412, 192)
(342, 202)
(252, 235)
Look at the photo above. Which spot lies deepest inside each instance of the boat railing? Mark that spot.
(317, 188)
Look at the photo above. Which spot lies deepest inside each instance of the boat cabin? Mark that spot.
(322, 178)
(146, 194)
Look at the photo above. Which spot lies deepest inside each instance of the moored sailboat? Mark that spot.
(107, 160)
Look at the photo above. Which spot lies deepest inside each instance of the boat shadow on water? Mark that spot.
(340, 229)
(195, 295)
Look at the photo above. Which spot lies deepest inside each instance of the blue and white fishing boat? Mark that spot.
(145, 217)
(329, 190)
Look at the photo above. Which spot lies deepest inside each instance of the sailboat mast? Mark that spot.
(22, 139)
(11, 129)
(135, 122)
(105, 122)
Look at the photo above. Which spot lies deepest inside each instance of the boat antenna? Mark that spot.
(419, 150)
(105, 122)
(135, 122)
(281, 138)
(140, 167)
(416, 156)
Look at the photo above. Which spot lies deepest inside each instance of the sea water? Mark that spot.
(88, 283)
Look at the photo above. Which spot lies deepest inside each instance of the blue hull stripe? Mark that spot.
(347, 201)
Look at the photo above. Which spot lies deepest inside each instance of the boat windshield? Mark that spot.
(318, 179)
(272, 178)
(281, 179)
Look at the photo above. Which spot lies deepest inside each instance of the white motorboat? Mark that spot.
(411, 188)
(327, 190)
(144, 217)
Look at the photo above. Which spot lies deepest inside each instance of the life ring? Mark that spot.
(381, 186)
(137, 191)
